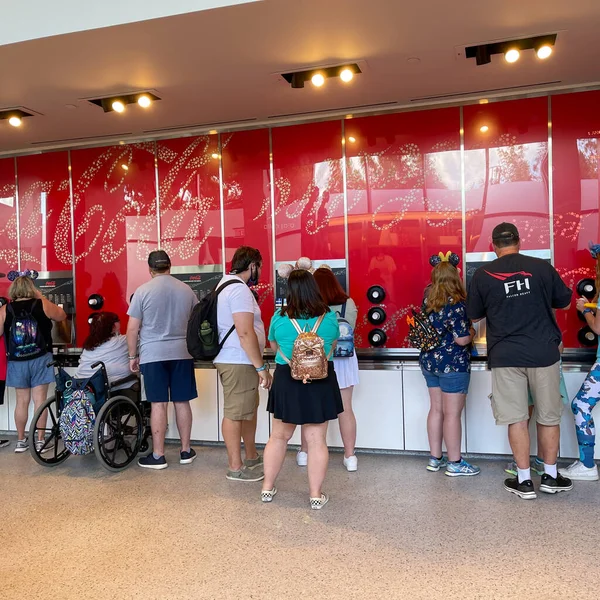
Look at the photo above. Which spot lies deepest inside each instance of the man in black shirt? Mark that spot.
(517, 294)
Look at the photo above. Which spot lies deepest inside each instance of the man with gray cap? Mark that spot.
(517, 295)
(159, 314)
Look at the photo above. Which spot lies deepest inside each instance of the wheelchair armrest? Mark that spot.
(133, 378)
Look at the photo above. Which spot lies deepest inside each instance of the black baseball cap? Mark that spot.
(159, 259)
(505, 231)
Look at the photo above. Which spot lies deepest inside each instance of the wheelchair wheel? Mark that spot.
(45, 424)
(118, 433)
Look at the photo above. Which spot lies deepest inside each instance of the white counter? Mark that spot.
(391, 406)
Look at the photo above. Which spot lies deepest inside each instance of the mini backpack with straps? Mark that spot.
(309, 360)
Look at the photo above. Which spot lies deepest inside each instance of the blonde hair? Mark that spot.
(446, 287)
(22, 287)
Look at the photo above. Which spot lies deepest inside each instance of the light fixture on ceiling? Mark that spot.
(346, 75)
(483, 101)
(317, 79)
(484, 129)
(119, 103)
(544, 51)
(118, 106)
(511, 49)
(512, 55)
(144, 101)
(15, 121)
(318, 75)
(14, 116)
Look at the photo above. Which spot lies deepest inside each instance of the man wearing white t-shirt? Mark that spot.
(240, 363)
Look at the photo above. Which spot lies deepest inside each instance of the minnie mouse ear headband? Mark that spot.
(450, 257)
(303, 263)
(594, 250)
(12, 275)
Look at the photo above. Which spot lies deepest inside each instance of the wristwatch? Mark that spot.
(132, 357)
(265, 367)
(587, 310)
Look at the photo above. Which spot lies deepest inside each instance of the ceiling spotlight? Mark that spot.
(352, 139)
(317, 79)
(144, 101)
(544, 51)
(15, 121)
(512, 55)
(484, 129)
(118, 106)
(124, 167)
(483, 101)
(346, 75)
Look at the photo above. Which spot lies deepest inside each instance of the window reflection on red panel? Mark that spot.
(8, 222)
(114, 194)
(190, 219)
(506, 171)
(576, 156)
(404, 204)
(309, 200)
(45, 212)
(247, 202)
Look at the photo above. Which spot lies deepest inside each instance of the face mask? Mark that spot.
(253, 276)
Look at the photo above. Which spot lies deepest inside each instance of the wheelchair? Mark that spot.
(121, 429)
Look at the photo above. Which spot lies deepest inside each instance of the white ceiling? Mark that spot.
(217, 66)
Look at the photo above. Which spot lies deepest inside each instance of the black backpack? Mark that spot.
(25, 340)
(421, 333)
(202, 330)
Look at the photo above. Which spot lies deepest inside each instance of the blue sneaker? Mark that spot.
(436, 464)
(149, 462)
(537, 466)
(463, 468)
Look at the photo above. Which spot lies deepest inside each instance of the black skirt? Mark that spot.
(299, 403)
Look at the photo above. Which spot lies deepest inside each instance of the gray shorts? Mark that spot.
(510, 394)
(30, 373)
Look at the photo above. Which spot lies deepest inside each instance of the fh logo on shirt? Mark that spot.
(515, 287)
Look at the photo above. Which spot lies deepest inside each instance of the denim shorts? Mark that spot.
(30, 373)
(450, 383)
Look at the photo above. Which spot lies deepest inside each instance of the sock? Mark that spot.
(156, 456)
(586, 455)
(456, 462)
(523, 474)
(436, 458)
(550, 470)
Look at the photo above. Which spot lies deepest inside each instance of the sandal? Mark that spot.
(267, 495)
(319, 503)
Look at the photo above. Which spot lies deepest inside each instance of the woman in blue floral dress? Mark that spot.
(447, 368)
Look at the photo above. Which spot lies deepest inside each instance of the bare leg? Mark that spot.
(183, 418)
(518, 436)
(232, 434)
(275, 451)
(435, 422)
(452, 425)
(303, 444)
(40, 395)
(347, 422)
(249, 437)
(548, 442)
(318, 457)
(158, 422)
(22, 410)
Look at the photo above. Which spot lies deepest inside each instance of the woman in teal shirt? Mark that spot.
(293, 402)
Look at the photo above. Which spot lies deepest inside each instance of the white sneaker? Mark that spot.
(351, 463)
(22, 446)
(579, 472)
(301, 459)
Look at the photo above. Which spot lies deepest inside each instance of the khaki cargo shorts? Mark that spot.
(510, 394)
(240, 390)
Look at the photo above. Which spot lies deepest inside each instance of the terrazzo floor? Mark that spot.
(391, 530)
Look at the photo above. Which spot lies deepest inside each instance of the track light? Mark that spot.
(118, 106)
(346, 75)
(15, 121)
(544, 51)
(317, 79)
(144, 101)
(512, 55)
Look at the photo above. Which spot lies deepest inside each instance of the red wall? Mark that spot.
(403, 193)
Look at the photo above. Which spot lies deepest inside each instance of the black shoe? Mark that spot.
(185, 458)
(524, 490)
(550, 485)
(4, 443)
(149, 462)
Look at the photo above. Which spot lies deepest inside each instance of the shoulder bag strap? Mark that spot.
(218, 291)
(318, 323)
(296, 326)
(343, 314)
(287, 360)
